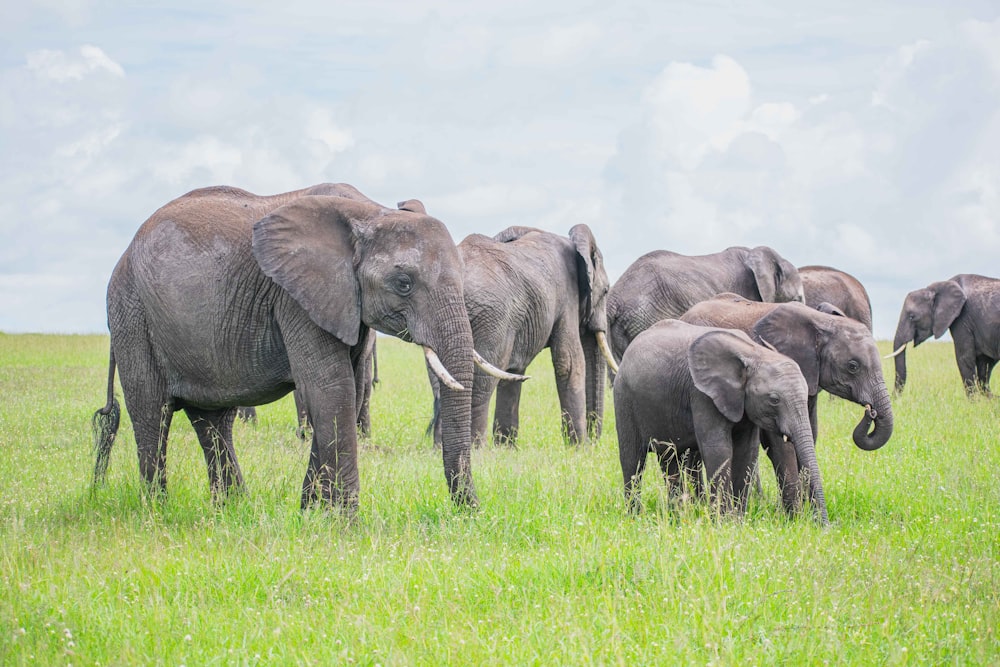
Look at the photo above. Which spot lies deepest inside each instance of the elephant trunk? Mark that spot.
(595, 369)
(805, 452)
(454, 347)
(880, 412)
(903, 336)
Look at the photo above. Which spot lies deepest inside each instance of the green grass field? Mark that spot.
(549, 571)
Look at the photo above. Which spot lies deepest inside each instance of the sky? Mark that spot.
(860, 135)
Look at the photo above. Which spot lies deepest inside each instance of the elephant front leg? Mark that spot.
(332, 476)
(506, 418)
(745, 453)
(570, 368)
(786, 469)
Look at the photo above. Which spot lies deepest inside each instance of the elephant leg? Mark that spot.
(323, 372)
(364, 378)
(984, 369)
(745, 452)
(214, 429)
(965, 357)
(682, 470)
(301, 415)
(149, 405)
(786, 469)
(633, 449)
(570, 369)
(506, 418)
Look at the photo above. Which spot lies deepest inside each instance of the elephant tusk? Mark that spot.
(435, 363)
(602, 342)
(490, 369)
(898, 351)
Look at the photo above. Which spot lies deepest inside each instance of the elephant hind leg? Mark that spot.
(984, 369)
(215, 434)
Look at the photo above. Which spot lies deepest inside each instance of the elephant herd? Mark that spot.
(227, 299)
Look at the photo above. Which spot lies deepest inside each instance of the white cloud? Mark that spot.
(60, 67)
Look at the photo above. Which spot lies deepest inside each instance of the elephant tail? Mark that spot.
(105, 425)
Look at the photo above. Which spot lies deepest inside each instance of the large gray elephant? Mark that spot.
(969, 306)
(225, 298)
(835, 353)
(827, 285)
(663, 284)
(681, 387)
(527, 289)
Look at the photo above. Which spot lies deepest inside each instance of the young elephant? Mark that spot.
(834, 353)
(681, 387)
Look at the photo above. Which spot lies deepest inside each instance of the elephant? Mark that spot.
(969, 306)
(827, 285)
(835, 353)
(683, 387)
(663, 284)
(527, 289)
(225, 298)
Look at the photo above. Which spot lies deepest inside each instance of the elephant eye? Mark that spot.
(773, 398)
(402, 284)
(853, 366)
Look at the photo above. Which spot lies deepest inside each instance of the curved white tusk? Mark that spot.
(898, 351)
(490, 369)
(435, 363)
(602, 343)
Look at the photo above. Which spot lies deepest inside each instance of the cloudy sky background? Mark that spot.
(861, 135)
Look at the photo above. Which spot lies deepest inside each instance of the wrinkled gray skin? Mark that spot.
(225, 298)
(824, 284)
(369, 367)
(527, 289)
(834, 353)
(968, 305)
(664, 284)
(681, 387)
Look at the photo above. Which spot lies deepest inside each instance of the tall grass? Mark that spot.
(550, 570)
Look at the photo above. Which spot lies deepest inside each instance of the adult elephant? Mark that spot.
(969, 306)
(664, 284)
(827, 285)
(527, 289)
(225, 298)
(835, 353)
(683, 387)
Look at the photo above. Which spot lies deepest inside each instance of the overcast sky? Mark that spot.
(863, 135)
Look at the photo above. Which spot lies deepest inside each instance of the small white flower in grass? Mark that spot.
(187, 638)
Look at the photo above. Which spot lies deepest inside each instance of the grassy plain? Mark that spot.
(548, 571)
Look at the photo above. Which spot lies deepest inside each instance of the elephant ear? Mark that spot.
(763, 263)
(829, 309)
(718, 361)
(792, 329)
(412, 205)
(589, 266)
(949, 298)
(514, 233)
(307, 247)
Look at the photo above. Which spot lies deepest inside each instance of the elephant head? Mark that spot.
(926, 311)
(593, 289)
(746, 379)
(837, 354)
(777, 279)
(402, 275)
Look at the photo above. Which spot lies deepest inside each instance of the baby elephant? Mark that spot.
(682, 386)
